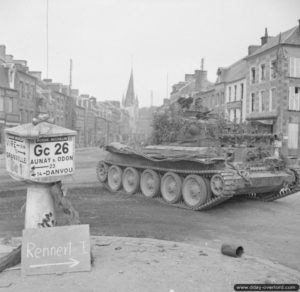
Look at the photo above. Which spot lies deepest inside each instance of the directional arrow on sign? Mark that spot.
(72, 263)
(21, 152)
(34, 167)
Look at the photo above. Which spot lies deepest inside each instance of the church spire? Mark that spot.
(130, 96)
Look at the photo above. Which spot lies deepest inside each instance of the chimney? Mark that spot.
(9, 58)
(2, 52)
(202, 64)
(189, 77)
(21, 62)
(36, 74)
(47, 81)
(252, 49)
(264, 39)
(201, 80)
(75, 92)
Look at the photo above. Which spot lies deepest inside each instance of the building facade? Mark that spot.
(273, 82)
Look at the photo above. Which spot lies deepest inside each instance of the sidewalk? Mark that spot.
(140, 264)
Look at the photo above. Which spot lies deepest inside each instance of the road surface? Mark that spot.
(267, 230)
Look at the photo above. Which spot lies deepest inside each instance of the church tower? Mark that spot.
(131, 104)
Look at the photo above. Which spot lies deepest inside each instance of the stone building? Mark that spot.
(273, 86)
(9, 110)
(192, 85)
(231, 89)
(25, 84)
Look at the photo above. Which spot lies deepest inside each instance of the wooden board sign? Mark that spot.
(56, 250)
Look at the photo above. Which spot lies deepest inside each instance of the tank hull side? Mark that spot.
(261, 182)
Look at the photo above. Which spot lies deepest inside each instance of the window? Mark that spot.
(218, 99)
(294, 98)
(252, 75)
(27, 90)
(238, 115)
(21, 89)
(229, 93)
(1, 103)
(21, 116)
(10, 105)
(294, 67)
(242, 90)
(25, 116)
(252, 105)
(32, 91)
(222, 98)
(235, 91)
(264, 105)
(273, 70)
(262, 72)
(272, 99)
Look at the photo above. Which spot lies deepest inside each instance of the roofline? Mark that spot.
(235, 80)
(269, 49)
(20, 71)
(202, 92)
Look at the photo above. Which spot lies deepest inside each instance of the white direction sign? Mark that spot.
(56, 250)
(51, 156)
(17, 156)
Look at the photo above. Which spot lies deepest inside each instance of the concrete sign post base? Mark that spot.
(41, 154)
(39, 207)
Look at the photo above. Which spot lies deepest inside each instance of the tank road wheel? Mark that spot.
(102, 170)
(171, 187)
(217, 185)
(114, 177)
(194, 191)
(150, 183)
(130, 180)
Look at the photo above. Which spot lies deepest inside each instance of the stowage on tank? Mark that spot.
(196, 175)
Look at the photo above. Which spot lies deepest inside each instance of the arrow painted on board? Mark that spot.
(21, 152)
(34, 167)
(72, 263)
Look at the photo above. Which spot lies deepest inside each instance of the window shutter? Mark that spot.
(293, 134)
(291, 99)
(297, 67)
(291, 67)
(297, 98)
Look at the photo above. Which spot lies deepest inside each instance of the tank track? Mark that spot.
(284, 192)
(212, 202)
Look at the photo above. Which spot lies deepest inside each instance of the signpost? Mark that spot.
(17, 156)
(41, 154)
(34, 159)
(56, 250)
(51, 156)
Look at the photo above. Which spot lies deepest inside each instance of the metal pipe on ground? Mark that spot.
(232, 250)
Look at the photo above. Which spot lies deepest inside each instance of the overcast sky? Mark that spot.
(159, 37)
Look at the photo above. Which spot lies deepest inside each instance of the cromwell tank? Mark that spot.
(199, 173)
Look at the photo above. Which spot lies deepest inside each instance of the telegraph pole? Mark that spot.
(70, 81)
(151, 98)
(167, 85)
(47, 38)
